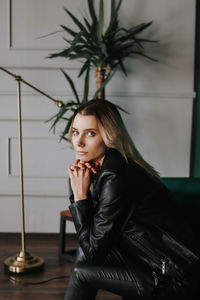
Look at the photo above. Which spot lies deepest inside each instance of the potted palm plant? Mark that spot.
(102, 50)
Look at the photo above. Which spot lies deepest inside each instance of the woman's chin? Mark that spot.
(81, 158)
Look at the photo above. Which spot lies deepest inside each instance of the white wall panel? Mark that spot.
(45, 160)
(41, 214)
(26, 21)
(38, 157)
(161, 130)
(42, 18)
(174, 29)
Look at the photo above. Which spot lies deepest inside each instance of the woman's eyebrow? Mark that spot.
(94, 129)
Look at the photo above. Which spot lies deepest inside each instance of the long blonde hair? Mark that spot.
(113, 131)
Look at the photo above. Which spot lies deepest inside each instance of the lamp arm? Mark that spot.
(59, 103)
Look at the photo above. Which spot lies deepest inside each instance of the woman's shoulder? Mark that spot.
(113, 160)
(121, 175)
(113, 169)
(115, 164)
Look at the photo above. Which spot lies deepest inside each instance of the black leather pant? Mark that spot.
(133, 280)
(115, 276)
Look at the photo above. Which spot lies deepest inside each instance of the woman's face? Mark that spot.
(87, 140)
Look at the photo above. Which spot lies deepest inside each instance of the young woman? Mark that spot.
(131, 240)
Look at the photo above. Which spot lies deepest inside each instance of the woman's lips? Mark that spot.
(81, 152)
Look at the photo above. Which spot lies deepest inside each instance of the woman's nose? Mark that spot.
(80, 141)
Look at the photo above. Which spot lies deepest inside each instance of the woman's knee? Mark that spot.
(80, 272)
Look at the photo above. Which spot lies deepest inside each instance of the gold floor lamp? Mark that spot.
(24, 262)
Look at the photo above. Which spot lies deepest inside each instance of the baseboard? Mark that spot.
(37, 235)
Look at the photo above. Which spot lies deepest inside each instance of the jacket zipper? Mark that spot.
(163, 266)
(155, 278)
(159, 261)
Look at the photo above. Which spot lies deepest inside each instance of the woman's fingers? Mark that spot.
(70, 171)
(75, 170)
(75, 164)
(80, 165)
(92, 167)
(80, 181)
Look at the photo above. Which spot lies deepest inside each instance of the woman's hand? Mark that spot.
(80, 176)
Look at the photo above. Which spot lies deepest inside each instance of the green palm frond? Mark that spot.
(68, 30)
(92, 15)
(96, 47)
(66, 129)
(76, 21)
(72, 86)
(113, 25)
(100, 21)
(69, 106)
(85, 66)
(86, 86)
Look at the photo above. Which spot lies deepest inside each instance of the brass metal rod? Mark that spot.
(23, 262)
(41, 92)
(8, 72)
(56, 101)
(21, 165)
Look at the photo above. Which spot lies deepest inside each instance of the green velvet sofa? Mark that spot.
(186, 193)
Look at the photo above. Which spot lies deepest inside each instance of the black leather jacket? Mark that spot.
(130, 210)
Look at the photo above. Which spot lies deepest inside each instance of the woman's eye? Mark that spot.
(91, 133)
(75, 132)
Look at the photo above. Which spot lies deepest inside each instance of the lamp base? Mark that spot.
(23, 263)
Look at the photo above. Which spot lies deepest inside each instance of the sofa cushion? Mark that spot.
(186, 193)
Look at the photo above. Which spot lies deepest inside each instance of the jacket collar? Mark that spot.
(113, 160)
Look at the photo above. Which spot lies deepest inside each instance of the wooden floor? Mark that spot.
(15, 287)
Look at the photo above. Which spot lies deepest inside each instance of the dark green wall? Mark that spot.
(195, 149)
(196, 167)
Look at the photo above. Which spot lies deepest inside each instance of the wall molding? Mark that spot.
(169, 95)
(35, 196)
(10, 35)
(9, 158)
(10, 32)
(24, 119)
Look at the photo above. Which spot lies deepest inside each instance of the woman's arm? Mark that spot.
(80, 177)
(98, 232)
